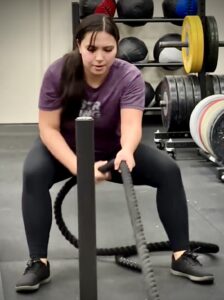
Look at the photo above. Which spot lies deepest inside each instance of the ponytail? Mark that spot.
(72, 85)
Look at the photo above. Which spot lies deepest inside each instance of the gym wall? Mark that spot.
(35, 33)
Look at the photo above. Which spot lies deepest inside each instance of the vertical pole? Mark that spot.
(75, 20)
(202, 74)
(86, 208)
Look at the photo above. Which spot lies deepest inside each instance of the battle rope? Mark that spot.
(121, 253)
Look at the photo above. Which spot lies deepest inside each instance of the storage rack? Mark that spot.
(152, 63)
(166, 140)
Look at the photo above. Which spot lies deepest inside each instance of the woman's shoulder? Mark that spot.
(56, 66)
(123, 66)
(54, 70)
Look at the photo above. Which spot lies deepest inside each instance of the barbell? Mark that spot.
(199, 48)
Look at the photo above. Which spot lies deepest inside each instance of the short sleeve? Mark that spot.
(49, 98)
(134, 93)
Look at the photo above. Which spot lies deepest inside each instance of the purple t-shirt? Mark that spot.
(123, 88)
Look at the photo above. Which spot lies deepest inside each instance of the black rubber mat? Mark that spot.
(206, 211)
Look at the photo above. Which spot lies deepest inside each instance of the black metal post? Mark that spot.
(151, 20)
(1, 289)
(75, 20)
(202, 74)
(86, 208)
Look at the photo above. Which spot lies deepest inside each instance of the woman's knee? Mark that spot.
(36, 171)
(171, 170)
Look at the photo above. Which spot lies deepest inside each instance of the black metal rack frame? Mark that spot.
(76, 17)
(166, 140)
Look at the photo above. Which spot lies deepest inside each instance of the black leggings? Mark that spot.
(153, 168)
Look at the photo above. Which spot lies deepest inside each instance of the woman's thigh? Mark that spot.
(41, 165)
(152, 167)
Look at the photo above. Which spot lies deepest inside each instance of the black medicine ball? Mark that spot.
(135, 9)
(132, 50)
(149, 93)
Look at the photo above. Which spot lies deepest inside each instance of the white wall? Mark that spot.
(33, 33)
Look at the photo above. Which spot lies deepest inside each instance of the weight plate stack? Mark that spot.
(196, 115)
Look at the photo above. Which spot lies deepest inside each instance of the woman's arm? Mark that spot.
(131, 128)
(131, 134)
(49, 127)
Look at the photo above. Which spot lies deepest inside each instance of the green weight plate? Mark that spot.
(196, 88)
(169, 111)
(211, 44)
(217, 137)
(182, 104)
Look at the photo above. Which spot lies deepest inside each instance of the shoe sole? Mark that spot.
(193, 278)
(30, 288)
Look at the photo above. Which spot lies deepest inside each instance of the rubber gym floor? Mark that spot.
(206, 214)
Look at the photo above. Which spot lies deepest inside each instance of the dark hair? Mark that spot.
(72, 85)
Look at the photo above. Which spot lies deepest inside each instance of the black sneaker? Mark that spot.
(189, 266)
(35, 274)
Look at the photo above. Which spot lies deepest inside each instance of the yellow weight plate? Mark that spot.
(209, 115)
(192, 33)
(200, 45)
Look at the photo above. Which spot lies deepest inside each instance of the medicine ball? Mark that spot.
(132, 50)
(179, 9)
(88, 7)
(149, 94)
(168, 55)
(135, 9)
(158, 93)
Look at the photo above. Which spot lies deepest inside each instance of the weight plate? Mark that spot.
(211, 44)
(217, 113)
(189, 98)
(196, 88)
(195, 116)
(192, 33)
(217, 136)
(182, 105)
(206, 119)
(216, 85)
(169, 111)
(209, 85)
(221, 83)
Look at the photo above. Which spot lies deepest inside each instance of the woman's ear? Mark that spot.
(77, 44)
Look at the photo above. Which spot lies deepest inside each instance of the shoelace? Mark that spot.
(192, 257)
(29, 264)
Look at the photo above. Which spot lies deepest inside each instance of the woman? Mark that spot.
(91, 81)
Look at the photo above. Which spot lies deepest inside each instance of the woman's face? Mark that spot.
(98, 58)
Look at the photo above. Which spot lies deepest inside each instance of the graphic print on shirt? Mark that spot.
(90, 109)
